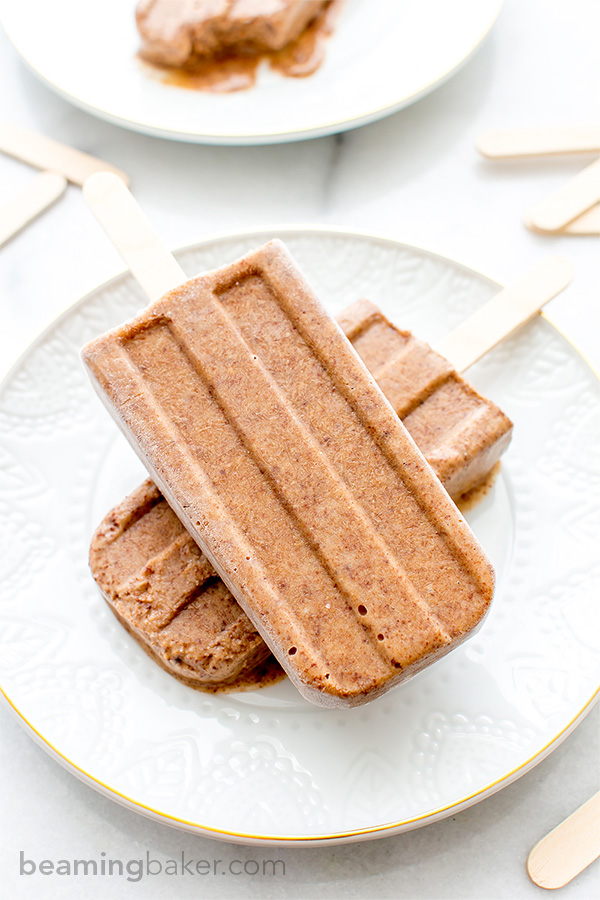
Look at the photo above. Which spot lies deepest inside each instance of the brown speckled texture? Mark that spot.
(177, 32)
(276, 448)
(461, 434)
(163, 589)
(463, 449)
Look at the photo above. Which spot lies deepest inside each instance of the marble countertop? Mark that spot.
(413, 176)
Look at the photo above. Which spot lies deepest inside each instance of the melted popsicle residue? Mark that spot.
(232, 71)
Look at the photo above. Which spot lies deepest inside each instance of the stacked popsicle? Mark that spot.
(277, 450)
(161, 586)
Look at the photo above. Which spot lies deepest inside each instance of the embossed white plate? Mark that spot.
(266, 765)
(384, 55)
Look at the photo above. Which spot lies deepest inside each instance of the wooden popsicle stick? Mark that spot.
(568, 849)
(46, 153)
(570, 200)
(40, 193)
(155, 269)
(522, 142)
(588, 223)
(504, 313)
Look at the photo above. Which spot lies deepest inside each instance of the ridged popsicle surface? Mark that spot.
(275, 447)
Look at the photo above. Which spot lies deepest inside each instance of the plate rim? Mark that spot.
(249, 138)
(371, 832)
(282, 840)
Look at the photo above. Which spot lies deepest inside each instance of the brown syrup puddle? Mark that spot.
(229, 72)
(267, 673)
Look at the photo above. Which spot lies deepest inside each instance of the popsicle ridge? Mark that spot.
(165, 592)
(363, 395)
(152, 582)
(233, 356)
(461, 434)
(226, 364)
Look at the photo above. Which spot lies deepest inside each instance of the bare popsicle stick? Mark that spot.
(570, 200)
(154, 268)
(568, 849)
(40, 193)
(522, 142)
(588, 223)
(157, 272)
(505, 312)
(46, 153)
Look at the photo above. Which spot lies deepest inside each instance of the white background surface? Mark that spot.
(414, 176)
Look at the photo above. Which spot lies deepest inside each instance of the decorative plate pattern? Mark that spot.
(382, 57)
(265, 765)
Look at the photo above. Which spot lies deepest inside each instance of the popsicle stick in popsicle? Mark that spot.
(588, 223)
(41, 192)
(568, 849)
(523, 142)
(45, 153)
(570, 200)
(504, 313)
(155, 269)
(157, 272)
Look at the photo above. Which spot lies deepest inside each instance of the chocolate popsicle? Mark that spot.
(167, 595)
(178, 32)
(160, 585)
(275, 447)
(461, 434)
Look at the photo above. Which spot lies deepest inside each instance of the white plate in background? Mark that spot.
(266, 766)
(384, 55)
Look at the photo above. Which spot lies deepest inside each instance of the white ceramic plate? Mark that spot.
(266, 765)
(384, 55)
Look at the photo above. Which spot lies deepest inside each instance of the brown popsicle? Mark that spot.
(167, 595)
(275, 447)
(164, 591)
(461, 434)
(177, 32)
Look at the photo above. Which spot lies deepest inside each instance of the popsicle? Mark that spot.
(156, 270)
(162, 588)
(168, 596)
(178, 32)
(461, 433)
(281, 456)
